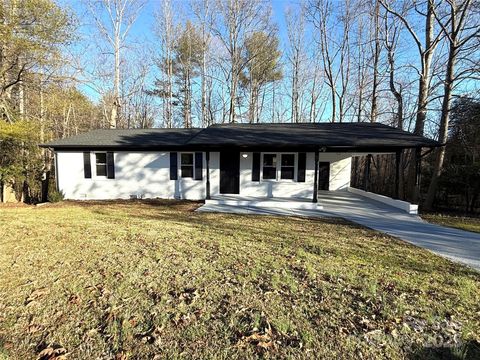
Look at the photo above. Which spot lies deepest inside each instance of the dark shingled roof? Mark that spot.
(339, 136)
(126, 138)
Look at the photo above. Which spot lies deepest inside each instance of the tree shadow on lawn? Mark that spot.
(183, 212)
(467, 351)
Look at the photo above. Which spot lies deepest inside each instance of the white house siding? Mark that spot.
(214, 173)
(340, 169)
(147, 174)
(144, 174)
(340, 173)
(275, 188)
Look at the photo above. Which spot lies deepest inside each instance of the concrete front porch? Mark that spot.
(263, 202)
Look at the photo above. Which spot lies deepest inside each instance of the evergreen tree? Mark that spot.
(262, 57)
(186, 66)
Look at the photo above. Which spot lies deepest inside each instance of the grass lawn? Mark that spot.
(153, 279)
(459, 222)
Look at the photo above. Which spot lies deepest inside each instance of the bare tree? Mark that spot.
(166, 31)
(376, 58)
(236, 22)
(334, 41)
(204, 12)
(361, 56)
(295, 19)
(392, 32)
(137, 107)
(121, 15)
(459, 28)
(320, 12)
(316, 87)
(426, 50)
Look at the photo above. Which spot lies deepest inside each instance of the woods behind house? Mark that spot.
(66, 68)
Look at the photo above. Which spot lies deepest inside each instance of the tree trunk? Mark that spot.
(396, 94)
(376, 56)
(444, 119)
(169, 91)
(423, 93)
(295, 96)
(187, 106)
(203, 85)
(116, 108)
(334, 105)
(233, 94)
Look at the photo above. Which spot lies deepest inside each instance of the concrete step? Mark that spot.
(282, 204)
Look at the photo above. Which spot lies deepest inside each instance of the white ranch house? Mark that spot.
(250, 162)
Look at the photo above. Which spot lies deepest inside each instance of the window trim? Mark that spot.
(94, 163)
(278, 169)
(262, 166)
(180, 165)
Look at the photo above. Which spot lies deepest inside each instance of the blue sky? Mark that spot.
(143, 28)
(145, 22)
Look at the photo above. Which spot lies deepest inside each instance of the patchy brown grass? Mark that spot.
(460, 222)
(14, 205)
(139, 279)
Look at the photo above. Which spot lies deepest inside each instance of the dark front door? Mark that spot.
(323, 175)
(230, 172)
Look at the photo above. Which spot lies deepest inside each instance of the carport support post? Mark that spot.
(366, 184)
(398, 155)
(418, 172)
(315, 178)
(207, 160)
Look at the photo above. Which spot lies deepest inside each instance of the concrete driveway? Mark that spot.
(457, 245)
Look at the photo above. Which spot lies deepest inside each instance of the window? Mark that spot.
(187, 165)
(101, 164)
(287, 170)
(270, 166)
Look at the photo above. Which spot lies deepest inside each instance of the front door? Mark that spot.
(323, 175)
(229, 172)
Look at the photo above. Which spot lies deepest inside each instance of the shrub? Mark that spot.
(55, 196)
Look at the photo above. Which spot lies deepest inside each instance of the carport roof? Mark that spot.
(329, 136)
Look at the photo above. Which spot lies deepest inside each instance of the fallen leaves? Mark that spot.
(34, 328)
(263, 340)
(35, 295)
(164, 281)
(265, 337)
(187, 295)
(53, 352)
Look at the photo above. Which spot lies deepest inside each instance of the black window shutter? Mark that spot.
(173, 166)
(302, 164)
(256, 166)
(87, 168)
(110, 166)
(198, 166)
